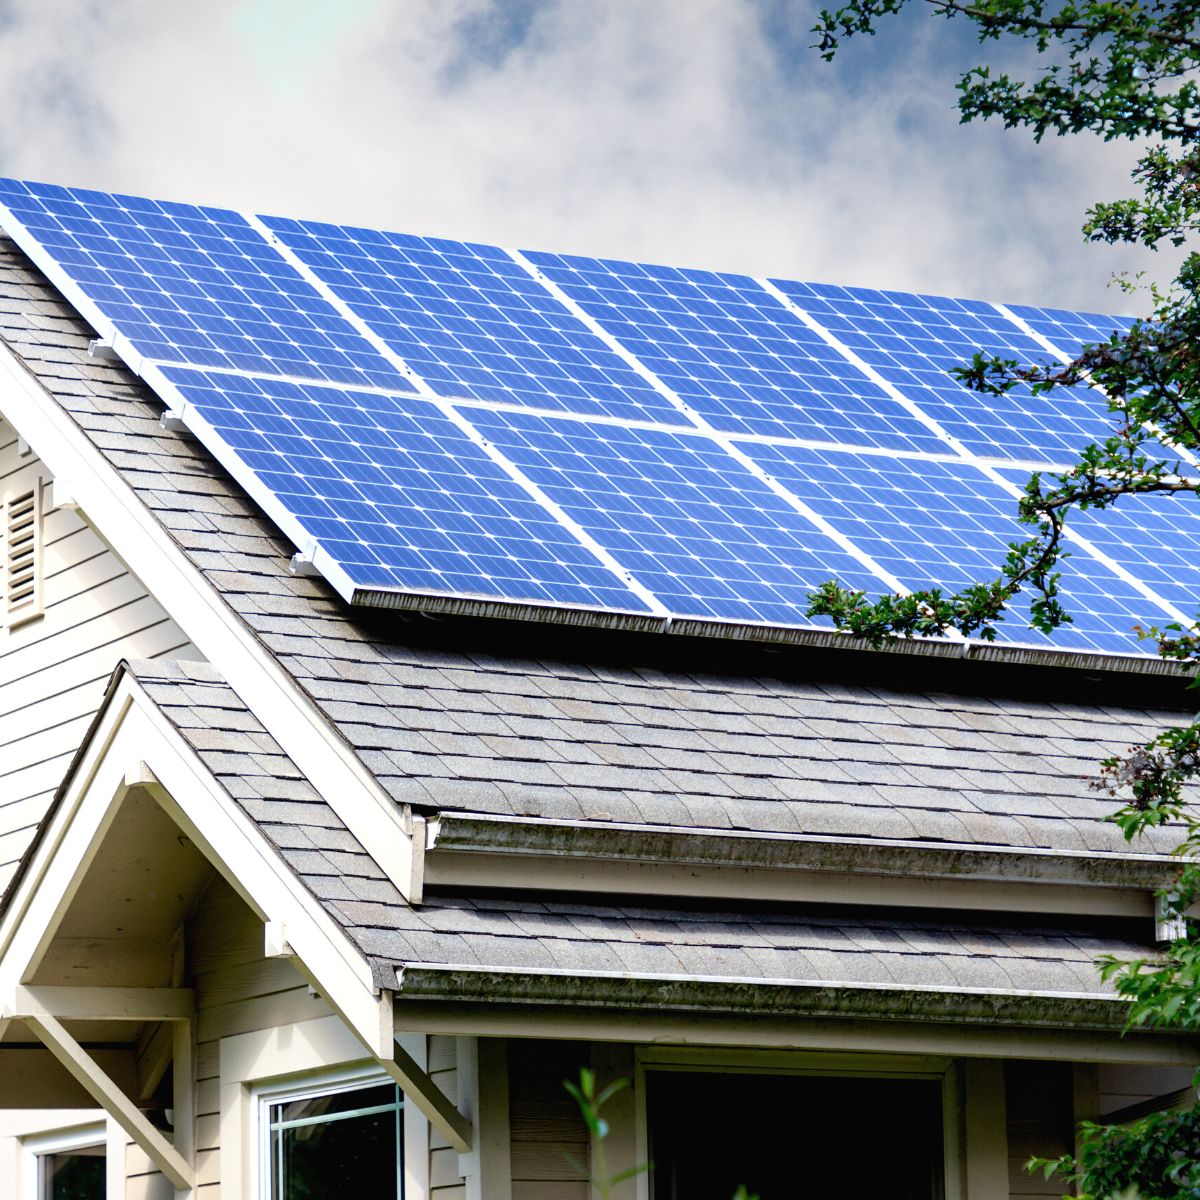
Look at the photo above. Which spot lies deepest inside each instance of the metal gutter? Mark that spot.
(451, 983)
(525, 838)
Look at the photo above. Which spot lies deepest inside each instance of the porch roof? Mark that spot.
(527, 949)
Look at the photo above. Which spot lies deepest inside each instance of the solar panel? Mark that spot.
(1070, 331)
(735, 355)
(915, 341)
(188, 284)
(1155, 538)
(946, 524)
(706, 536)
(472, 322)
(450, 425)
(396, 493)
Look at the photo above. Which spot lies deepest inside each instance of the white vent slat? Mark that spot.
(23, 555)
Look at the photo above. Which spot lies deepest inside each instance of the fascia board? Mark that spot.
(526, 838)
(134, 742)
(793, 1032)
(145, 546)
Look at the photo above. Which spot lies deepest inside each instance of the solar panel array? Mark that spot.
(447, 425)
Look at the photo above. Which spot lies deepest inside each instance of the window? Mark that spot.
(332, 1141)
(72, 1174)
(786, 1134)
(69, 1165)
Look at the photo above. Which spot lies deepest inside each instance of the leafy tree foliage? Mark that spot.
(1117, 69)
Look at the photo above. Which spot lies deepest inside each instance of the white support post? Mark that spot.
(109, 1097)
(466, 1075)
(1169, 925)
(491, 1119)
(116, 1145)
(184, 1099)
(612, 1061)
(986, 1129)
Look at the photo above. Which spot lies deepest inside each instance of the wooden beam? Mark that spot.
(103, 1003)
(108, 1096)
(430, 1099)
(153, 1057)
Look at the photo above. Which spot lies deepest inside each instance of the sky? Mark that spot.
(699, 133)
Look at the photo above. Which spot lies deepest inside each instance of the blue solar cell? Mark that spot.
(472, 322)
(915, 341)
(1156, 539)
(402, 499)
(733, 353)
(397, 494)
(706, 536)
(194, 285)
(946, 524)
(1070, 331)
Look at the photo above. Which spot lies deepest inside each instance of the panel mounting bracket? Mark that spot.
(102, 349)
(1169, 925)
(303, 561)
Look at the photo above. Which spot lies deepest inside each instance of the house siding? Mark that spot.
(1040, 1119)
(238, 990)
(1121, 1087)
(53, 668)
(445, 1179)
(549, 1141)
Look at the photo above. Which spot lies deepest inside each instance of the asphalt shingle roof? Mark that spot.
(588, 737)
(769, 947)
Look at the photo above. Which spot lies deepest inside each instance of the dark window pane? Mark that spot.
(337, 1146)
(73, 1174)
(792, 1136)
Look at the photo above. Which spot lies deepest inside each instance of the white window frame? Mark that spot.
(35, 1147)
(802, 1062)
(327, 1083)
(301, 1059)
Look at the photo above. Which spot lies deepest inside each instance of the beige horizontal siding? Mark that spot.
(549, 1141)
(53, 669)
(1121, 1086)
(1040, 1101)
(445, 1181)
(237, 991)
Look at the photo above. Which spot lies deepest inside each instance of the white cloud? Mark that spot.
(667, 130)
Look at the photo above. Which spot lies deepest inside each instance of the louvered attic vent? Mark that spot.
(23, 556)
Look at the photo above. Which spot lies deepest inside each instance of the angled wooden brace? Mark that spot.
(429, 1098)
(106, 1093)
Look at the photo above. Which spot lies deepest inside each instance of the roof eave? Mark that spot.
(458, 984)
(524, 838)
